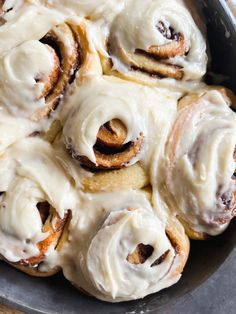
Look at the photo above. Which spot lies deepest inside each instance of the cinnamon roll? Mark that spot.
(200, 167)
(111, 187)
(162, 42)
(122, 250)
(36, 72)
(33, 213)
(100, 130)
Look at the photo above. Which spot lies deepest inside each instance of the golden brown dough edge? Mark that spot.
(90, 66)
(191, 98)
(132, 76)
(132, 177)
(186, 101)
(180, 241)
(193, 235)
(35, 271)
(177, 236)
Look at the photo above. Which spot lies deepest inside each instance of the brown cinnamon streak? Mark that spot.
(110, 150)
(52, 224)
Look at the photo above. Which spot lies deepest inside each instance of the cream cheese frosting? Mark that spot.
(201, 163)
(8, 9)
(108, 229)
(21, 85)
(101, 9)
(12, 129)
(187, 154)
(26, 180)
(136, 29)
(30, 22)
(20, 91)
(39, 62)
(112, 98)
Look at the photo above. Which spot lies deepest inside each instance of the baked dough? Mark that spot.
(112, 148)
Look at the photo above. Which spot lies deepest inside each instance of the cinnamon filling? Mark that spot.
(227, 200)
(167, 32)
(2, 21)
(176, 48)
(160, 259)
(44, 211)
(51, 80)
(154, 60)
(112, 134)
(53, 225)
(110, 150)
(140, 254)
(66, 64)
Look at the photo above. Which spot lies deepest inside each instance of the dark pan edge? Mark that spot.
(23, 307)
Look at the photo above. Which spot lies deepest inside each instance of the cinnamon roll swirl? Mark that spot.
(95, 131)
(123, 251)
(99, 129)
(92, 181)
(201, 163)
(162, 42)
(33, 213)
(112, 125)
(36, 89)
(109, 187)
(36, 72)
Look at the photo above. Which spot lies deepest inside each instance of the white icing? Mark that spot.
(11, 5)
(30, 22)
(115, 99)
(25, 63)
(100, 9)
(8, 9)
(101, 13)
(201, 162)
(104, 234)
(13, 129)
(103, 229)
(136, 28)
(26, 178)
(20, 91)
(72, 166)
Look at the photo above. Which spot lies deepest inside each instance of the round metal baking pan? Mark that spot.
(56, 295)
